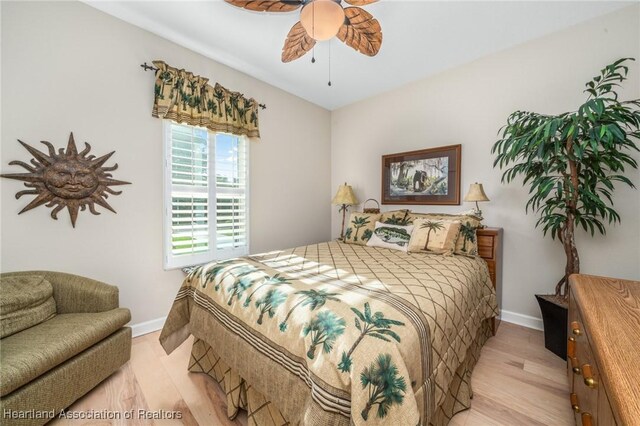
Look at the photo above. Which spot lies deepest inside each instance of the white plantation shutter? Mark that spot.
(206, 194)
(231, 189)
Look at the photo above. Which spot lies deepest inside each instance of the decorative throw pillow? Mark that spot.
(467, 241)
(360, 228)
(393, 237)
(395, 217)
(434, 236)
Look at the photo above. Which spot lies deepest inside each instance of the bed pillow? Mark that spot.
(395, 237)
(467, 242)
(395, 217)
(434, 236)
(360, 227)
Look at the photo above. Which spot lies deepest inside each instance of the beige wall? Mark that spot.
(467, 106)
(68, 67)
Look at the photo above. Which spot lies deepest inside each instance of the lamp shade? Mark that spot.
(322, 19)
(345, 195)
(476, 193)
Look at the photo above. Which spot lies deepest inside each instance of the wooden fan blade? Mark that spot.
(267, 5)
(297, 43)
(360, 2)
(361, 31)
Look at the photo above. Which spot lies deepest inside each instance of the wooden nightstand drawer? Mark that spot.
(486, 247)
(485, 252)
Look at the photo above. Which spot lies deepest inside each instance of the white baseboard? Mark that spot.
(147, 326)
(521, 319)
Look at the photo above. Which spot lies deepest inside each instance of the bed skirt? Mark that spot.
(262, 412)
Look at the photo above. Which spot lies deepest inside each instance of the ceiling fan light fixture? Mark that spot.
(322, 19)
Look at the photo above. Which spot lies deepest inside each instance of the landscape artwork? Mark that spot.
(428, 176)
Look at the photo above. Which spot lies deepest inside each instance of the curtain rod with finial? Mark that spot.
(148, 67)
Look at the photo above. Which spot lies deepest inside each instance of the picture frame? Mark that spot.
(427, 176)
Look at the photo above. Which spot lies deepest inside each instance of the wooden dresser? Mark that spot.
(603, 351)
(490, 249)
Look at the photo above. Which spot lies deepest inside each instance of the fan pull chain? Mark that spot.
(329, 64)
(313, 32)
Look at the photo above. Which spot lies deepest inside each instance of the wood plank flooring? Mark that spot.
(516, 381)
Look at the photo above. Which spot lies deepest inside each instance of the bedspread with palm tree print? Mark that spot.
(339, 333)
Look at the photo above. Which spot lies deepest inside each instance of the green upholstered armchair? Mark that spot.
(60, 336)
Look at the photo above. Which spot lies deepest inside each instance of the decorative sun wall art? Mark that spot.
(70, 179)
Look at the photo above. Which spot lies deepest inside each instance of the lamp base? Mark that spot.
(478, 212)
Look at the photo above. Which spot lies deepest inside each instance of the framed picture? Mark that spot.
(428, 176)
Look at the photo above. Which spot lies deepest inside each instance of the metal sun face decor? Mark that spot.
(428, 176)
(68, 179)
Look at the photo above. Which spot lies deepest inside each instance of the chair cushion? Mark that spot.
(26, 355)
(25, 301)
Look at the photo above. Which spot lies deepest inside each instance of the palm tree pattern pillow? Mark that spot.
(436, 236)
(360, 228)
(467, 241)
(396, 217)
(393, 237)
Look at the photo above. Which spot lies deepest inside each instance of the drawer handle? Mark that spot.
(574, 402)
(571, 347)
(575, 366)
(588, 376)
(587, 419)
(575, 328)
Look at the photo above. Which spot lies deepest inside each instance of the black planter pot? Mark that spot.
(554, 317)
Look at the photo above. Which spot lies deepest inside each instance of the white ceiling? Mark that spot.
(421, 38)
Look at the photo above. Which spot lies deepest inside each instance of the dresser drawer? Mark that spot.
(605, 314)
(584, 375)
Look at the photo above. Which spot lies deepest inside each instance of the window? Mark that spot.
(206, 196)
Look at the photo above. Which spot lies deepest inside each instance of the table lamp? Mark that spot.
(344, 198)
(476, 193)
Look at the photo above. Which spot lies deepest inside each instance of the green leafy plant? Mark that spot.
(375, 325)
(572, 160)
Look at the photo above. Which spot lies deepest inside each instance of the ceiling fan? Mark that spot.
(322, 20)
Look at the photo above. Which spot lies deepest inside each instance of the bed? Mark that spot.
(337, 334)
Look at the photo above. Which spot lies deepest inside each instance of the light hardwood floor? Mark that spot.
(516, 382)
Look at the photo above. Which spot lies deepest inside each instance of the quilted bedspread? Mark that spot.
(337, 333)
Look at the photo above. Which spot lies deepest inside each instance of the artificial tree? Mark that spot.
(572, 160)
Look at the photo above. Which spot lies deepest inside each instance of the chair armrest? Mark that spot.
(76, 294)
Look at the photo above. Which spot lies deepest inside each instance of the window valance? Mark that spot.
(187, 98)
